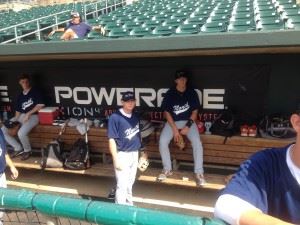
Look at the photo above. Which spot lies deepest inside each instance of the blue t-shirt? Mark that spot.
(125, 131)
(81, 29)
(27, 102)
(180, 104)
(266, 182)
(2, 152)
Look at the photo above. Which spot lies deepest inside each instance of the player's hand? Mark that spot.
(14, 173)
(102, 30)
(185, 130)
(176, 135)
(118, 165)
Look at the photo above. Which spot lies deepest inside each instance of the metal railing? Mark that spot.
(17, 37)
(104, 10)
(107, 8)
(54, 206)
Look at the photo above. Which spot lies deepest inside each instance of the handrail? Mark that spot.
(123, 2)
(37, 20)
(17, 38)
(95, 211)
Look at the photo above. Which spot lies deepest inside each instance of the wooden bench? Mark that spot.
(229, 154)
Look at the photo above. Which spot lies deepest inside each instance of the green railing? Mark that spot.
(94, 211)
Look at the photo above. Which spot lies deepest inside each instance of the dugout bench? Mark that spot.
(217, 152)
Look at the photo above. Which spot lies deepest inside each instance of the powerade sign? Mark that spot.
(147, 97)
(94, 89)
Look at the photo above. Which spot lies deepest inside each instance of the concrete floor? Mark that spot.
(192, 201)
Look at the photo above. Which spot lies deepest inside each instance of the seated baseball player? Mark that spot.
(180, 106)
(28, 104)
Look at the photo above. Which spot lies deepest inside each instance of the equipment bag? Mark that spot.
(79, 158)
(224, 124)
(52, 155)
(276, 126)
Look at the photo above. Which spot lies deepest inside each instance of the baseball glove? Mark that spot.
(180, 143)
(143, 162)
(12, 127)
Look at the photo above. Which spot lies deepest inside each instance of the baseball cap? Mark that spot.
(75, 14)
(180, 73)
(127, 96)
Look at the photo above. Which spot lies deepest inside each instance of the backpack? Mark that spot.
(52, 155)
(79, 156)
(276, 126)
(224, 124)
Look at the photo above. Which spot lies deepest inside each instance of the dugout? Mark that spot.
(254, 73)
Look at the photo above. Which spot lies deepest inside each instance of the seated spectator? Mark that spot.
(77, 29)
(28, 104)
(266, 189)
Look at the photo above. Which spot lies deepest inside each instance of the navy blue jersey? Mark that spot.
(2, 152)
(266, 182)
(81, 29)
(125, 131)
(27, 102)
(180, 104)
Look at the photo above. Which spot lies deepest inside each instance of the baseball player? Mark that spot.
(5, 159)
(28, 104)
(180, 106)
(124, 144)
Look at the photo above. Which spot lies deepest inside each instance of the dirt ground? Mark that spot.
(186, 200)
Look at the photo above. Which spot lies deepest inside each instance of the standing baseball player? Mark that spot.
(4, 158)
(124, 144)
(180, 106)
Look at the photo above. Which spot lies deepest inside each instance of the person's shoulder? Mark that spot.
(269, 155)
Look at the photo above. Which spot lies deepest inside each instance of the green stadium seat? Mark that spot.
(270, 24)
(222, 11)
(140, 32)
(151, 24)
(290, 12)
(196, 20)
(112, 25)
(186, 9)
(180, 15)
(163, 31)
(185, 29)
(172, 22)
(160, 16)
(130, 25)
(124, 19)
(243, 15)
(118, 32)
(219, 17)
(214, 27)
(242, 25)
(265, 8)
(142, 18)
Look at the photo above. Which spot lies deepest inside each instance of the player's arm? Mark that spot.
(114, 153)
(13, 169)
(56, 30)
(256, 217)
(171, 122)
(190, 122)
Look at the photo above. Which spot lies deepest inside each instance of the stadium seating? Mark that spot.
(170, 17)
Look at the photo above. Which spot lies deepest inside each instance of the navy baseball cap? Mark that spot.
(180, 73)
(127, 96)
